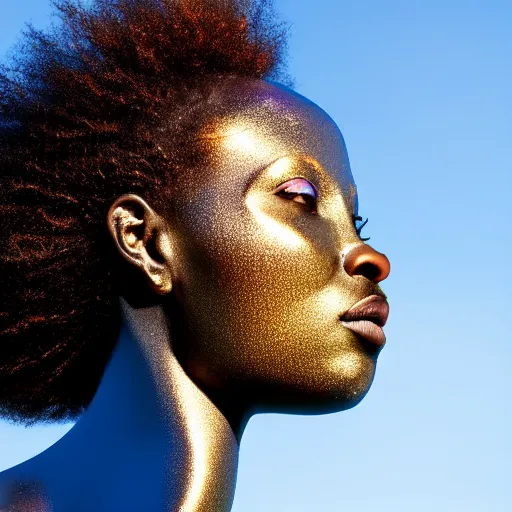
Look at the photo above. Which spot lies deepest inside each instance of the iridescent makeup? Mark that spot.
(300, 191)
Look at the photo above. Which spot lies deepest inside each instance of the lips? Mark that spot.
(367, 317)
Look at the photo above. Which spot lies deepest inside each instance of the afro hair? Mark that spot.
(80, 109)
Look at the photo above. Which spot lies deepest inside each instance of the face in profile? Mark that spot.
(267, 261)
(250, 229)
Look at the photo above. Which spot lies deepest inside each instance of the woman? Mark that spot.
(183, 250)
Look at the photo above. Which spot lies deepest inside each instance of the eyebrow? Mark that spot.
(279, 167)
(258, 171)
(315, 173)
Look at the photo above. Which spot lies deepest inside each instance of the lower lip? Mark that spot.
(368, 330)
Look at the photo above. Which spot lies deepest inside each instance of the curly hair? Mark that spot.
(82, 106)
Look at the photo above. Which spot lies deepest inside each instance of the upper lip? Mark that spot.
(374, 308)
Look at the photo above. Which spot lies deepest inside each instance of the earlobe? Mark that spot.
(140, 236)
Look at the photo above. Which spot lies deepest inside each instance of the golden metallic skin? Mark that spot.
(253, 284)
(261, 278)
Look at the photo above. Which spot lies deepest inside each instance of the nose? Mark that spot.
(364, 260)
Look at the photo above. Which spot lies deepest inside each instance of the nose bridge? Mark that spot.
(342, 225)
(340, 211)
(348, 238)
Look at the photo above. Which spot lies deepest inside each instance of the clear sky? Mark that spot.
(423, 94)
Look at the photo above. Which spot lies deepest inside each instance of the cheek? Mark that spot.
(257, 248)
(271, 263)
(256, 294)
(251, 297)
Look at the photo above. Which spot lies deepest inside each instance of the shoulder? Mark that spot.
(18, 494)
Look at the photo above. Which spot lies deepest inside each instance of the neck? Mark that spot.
(150, 440)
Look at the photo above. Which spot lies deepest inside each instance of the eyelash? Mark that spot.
(356, 219)
(308, 199)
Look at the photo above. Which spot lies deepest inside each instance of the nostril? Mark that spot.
(368, 270)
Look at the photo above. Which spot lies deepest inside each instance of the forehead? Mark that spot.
(257, 123)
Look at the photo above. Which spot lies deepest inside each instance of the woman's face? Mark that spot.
(266, 259)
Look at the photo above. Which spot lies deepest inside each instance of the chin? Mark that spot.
(332, 390)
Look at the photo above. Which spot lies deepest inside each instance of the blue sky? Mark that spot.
(423, 94)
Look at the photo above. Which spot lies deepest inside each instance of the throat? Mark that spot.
(150, 439)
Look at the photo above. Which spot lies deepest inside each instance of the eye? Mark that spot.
(299, 190)
(359, 224)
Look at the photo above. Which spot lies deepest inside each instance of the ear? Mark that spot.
(141, 237)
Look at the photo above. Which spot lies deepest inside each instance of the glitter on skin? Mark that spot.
(253, 323)
(261, 309)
